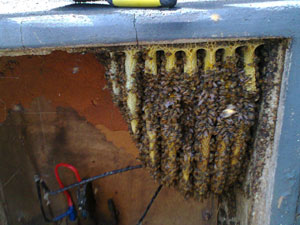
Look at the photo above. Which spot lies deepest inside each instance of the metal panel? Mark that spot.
(96, 25)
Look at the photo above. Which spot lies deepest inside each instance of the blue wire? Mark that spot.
(71, 213)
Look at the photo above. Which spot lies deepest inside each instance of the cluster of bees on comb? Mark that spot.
(190, 109)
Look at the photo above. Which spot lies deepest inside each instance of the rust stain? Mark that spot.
(120, 139)
(67, 80)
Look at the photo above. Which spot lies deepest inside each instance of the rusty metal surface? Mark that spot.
(56, 108)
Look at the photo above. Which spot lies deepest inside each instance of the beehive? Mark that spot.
(191, 108)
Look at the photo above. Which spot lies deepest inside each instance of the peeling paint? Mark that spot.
(121, 139)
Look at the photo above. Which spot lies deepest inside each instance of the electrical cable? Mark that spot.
(38, 188)
(84, 181)
(61, 185)
(149, 205)
(71, 213)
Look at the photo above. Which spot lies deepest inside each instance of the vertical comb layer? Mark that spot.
(188, 120)
(245, 114)
(205, 124)
(224, 125)
(113, 72)
(131, 88)
(249, 67)
(190, 65)
(171, 130)
(150, 112)
(119, 58)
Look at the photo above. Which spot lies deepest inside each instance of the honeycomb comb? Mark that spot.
(190, 108)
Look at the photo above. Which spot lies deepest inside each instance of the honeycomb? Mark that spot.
(191, 108)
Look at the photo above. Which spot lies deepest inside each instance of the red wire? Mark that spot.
(61, 185)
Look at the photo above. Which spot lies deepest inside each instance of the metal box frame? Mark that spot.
(40, 32)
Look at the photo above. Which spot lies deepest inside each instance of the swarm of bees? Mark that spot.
(190, 109)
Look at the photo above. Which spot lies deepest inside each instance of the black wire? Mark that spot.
(38, 188)
(149, 205)
(84, 181)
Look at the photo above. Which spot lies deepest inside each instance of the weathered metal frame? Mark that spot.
(84, 26)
